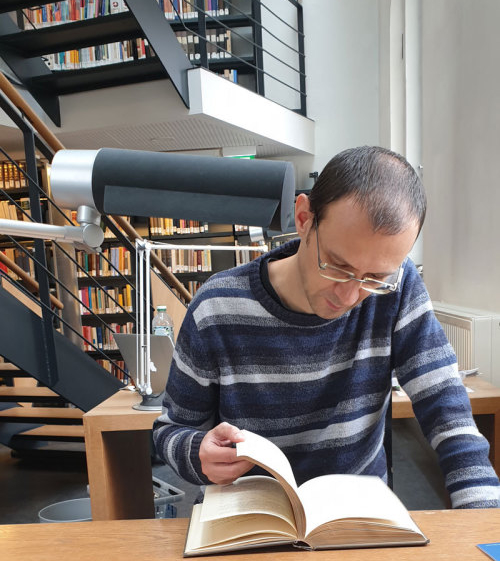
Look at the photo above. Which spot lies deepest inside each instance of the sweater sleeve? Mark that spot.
(190, 404)
(426, 367)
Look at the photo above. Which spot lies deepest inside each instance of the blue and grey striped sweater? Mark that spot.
(319, 389)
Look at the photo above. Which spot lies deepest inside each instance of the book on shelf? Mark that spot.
(66, 11)
(24, 203)
(175, 226)
(240, 228)
(116, 367)
(117, 6)
(102, 337)
(230, 74)
(12, 175)
(187, 260)
(8, 210)
(21, 259)
(218, 43)
(186, 9)
(193, 287)
(110, 53)
(109, 234)
(108, 300)
(218, 40)
(246, 255)
(328, 512)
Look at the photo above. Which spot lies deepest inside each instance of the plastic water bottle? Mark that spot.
(162, 323)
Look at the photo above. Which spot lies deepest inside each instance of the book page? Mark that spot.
(268, 456)
(256, 494)
(231, 534)
(264, 453)
(334, 497)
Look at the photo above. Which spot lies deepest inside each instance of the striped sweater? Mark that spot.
(319, 389)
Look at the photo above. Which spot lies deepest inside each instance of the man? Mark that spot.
(300, 345)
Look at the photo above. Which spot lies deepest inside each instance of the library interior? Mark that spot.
(164, 217)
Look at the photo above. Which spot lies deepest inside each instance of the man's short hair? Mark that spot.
(380, 181)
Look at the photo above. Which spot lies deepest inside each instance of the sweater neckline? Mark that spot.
(270, 304)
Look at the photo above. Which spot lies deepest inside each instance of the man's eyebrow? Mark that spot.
(342, 263)
(338, 260)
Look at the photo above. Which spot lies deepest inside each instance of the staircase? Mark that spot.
(36, 410)
(30, 414)
(22, 51)
(40, 336)
(280, 42)
(67, 381)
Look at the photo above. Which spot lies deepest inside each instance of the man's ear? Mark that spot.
(304, 218)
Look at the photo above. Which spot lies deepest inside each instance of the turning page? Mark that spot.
(267, 455)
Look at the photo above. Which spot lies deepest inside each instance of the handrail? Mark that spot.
(25, 118)
(16, 98)
(32, 284)
(51, 139)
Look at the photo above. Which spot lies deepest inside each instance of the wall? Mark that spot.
(282, 80)
(346, 71)
(461, 123)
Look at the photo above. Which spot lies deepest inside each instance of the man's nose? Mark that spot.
(347, 292)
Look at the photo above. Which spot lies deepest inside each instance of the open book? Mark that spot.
(327, 512)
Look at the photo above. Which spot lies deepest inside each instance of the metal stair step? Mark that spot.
(26, 393)
(64, 82)
(9, 370)
(67, 433)
(11, 5)
(74, 35)
(42, 415)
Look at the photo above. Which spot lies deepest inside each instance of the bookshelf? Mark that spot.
(215, 34)
(109, 293)
(15, 205)
(105, 288)
(194, 267)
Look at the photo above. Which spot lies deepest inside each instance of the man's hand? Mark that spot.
(218, 457)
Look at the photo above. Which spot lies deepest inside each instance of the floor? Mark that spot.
(28, 484)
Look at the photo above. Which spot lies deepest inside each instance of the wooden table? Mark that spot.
(118, 448)
(485, 403)
(453, 535)
(118, 438)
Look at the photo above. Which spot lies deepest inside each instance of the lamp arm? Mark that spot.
(143, 305)
(88, 236)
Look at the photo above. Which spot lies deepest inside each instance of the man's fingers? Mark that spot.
(227, 432)
(219, 461)
(223, 474)
(221, 454)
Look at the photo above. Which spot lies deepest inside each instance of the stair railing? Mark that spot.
(51, 312)
(52, 309)
(259, 31)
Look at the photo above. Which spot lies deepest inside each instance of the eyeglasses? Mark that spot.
(336, 274)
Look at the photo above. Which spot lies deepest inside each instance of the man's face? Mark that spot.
(346, 240)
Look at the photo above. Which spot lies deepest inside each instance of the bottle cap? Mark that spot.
(161, 308)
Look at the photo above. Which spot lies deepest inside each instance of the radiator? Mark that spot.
(475, 336)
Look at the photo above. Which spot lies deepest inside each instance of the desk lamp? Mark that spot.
(259, 193)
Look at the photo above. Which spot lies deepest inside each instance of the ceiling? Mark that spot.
(195, 132)
(150, 116)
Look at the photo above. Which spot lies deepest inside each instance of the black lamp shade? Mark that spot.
(140, 183)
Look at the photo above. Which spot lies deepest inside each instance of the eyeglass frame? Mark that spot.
(385, 288)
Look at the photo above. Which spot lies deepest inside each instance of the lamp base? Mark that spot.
(150, 402)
